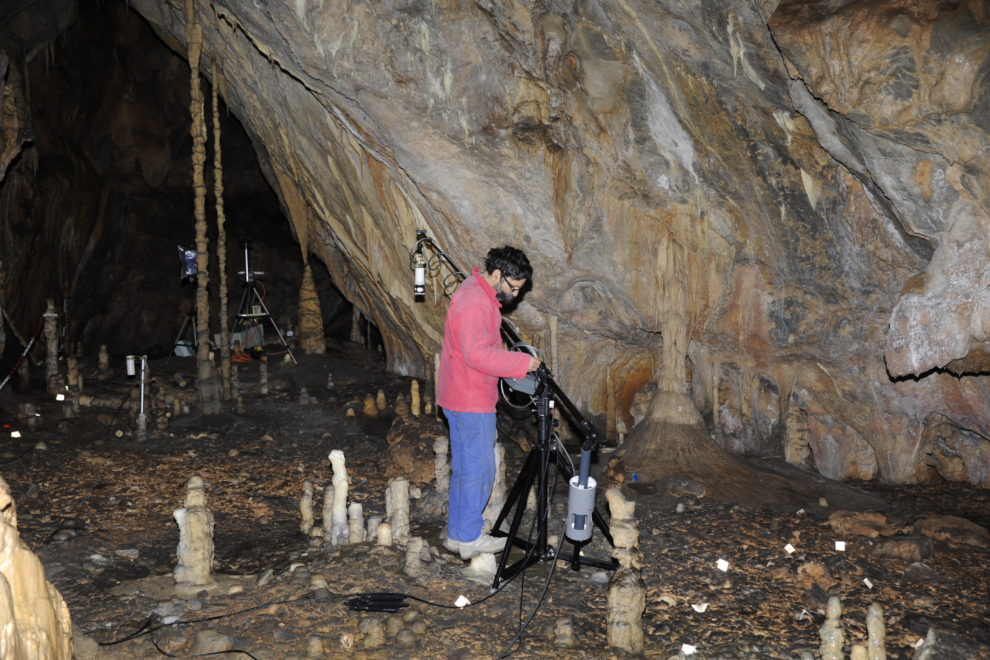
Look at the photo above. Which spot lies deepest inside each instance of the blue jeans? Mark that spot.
(472, 472)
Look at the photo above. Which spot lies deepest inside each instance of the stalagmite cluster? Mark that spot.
(414, 566)
(397, 510)
(441, 469)
(370, 408)
(194, 571)
(832, 636)
(626, 598)
(34, 619)
(340, 530)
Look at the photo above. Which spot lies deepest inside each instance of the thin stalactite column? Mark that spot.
(206, 383)
(221, 240)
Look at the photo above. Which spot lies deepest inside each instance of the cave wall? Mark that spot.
(101, 197)
(819, 166)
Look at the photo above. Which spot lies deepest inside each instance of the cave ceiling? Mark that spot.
(822, 166)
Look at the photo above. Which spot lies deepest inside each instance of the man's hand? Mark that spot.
(534, 364)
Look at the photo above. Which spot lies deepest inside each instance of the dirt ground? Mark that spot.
(97, 509)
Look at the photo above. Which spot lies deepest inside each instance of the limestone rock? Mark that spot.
(194, 571)
(859, 523)
(34, 619)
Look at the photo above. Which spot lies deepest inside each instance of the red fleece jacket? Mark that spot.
(472, 359)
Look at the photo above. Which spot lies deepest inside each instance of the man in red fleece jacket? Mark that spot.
(471, 362)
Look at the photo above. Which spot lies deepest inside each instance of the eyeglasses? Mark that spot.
(513, 289)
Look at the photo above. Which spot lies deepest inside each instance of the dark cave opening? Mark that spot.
(97, 203)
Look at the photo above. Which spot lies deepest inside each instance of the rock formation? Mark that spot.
(34, 620)
(831, 633)
(626, 597)
(397, 510)
(497, 499)
(194, 570)
(441, 468)
(339, 529)
(306, 508)
(721, 208)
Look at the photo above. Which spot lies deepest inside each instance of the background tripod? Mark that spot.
(190, 319)
(536, 468)
(253, 309)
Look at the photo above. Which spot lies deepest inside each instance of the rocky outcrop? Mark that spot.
(34, 620)
(715, 162)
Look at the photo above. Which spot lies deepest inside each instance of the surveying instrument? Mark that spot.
(253, 311)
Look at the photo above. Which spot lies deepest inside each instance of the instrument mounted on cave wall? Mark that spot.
(544, 392)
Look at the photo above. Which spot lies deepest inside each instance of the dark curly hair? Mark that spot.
(511, 261)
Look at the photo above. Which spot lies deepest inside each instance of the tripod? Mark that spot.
(190, 320)
(253, 309)
(535, 468)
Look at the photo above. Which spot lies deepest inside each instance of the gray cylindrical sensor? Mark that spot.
(580, 506)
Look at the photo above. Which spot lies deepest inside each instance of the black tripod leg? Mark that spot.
(513, 495)
(521, 486)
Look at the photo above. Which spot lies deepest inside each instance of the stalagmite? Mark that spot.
(340, 532)
(328, 494)
(51, 337)
(380, 400)
(310, 317)
(397, 509)
(482, 568)
(385, 534)
(225, 363)
(306, 508)
(103, 370)
(401, 407)
(414, 563)
(372, 532)
(303, 397)
(355, 522)
(235, 382)
(176, 405)
(428, 407)
(207, 383)
(626, 597)
(877, 634)
(355, 325)
(497, 499)
(858, 652)
(414, 398)
(370, 409)
(34, 620)
(563, 633)
(831, 634)
(329, 381)
(264, 374)
(194, 571)
(72, 369)
(314, 649)
(441, 469)
(375, 636)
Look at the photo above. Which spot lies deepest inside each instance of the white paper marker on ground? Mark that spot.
(700, 608)
(866, 581)
(840, 546)
(461, 601)
(722, 565)
(789, 548)
(687, 649)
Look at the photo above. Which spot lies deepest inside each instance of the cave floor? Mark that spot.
(97, 509)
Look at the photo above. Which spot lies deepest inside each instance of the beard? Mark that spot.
(504, 298)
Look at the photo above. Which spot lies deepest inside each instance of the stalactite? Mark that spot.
(207, 383)
(221, 241)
